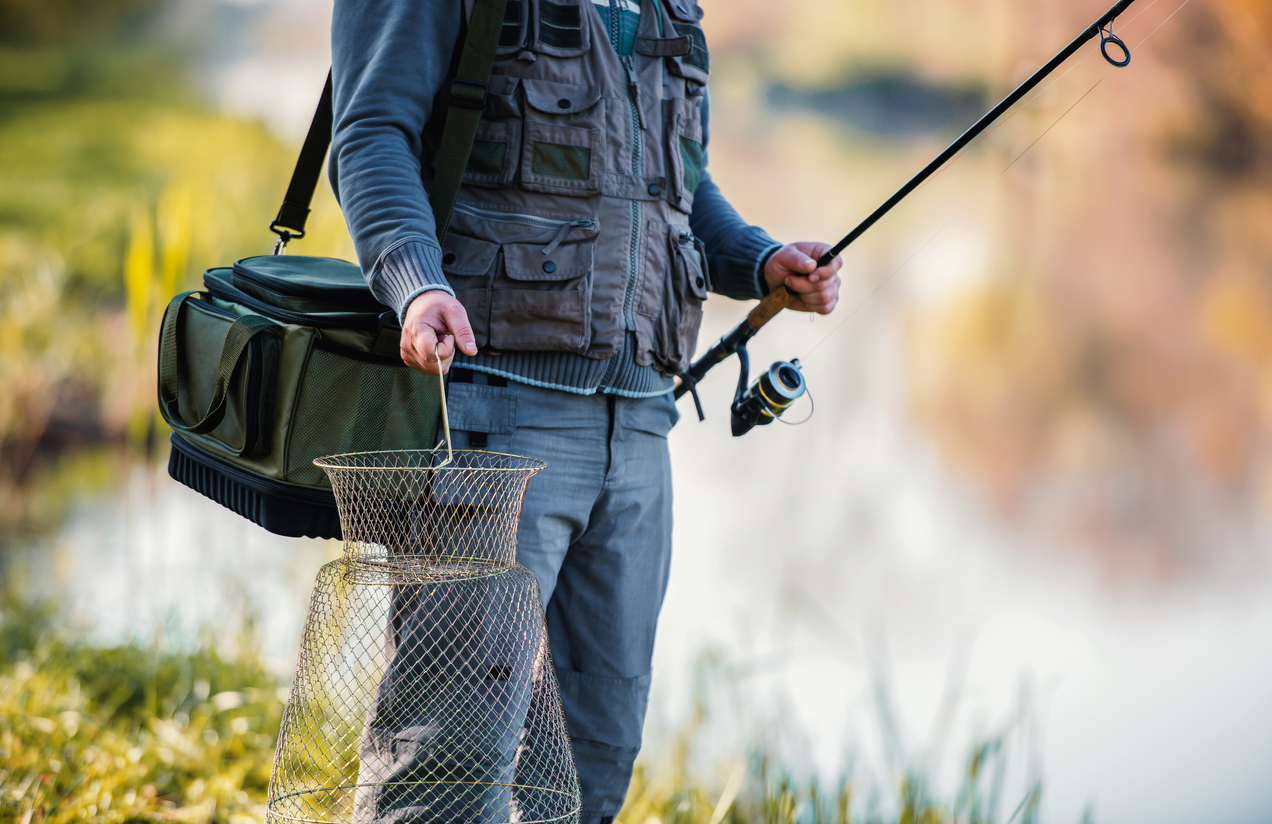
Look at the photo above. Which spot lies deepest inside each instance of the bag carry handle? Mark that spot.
(236, 341)
(463, 113)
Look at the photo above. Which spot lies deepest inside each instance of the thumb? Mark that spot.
(797, 261)
(456, 320)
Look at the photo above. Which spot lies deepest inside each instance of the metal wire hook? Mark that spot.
(1106, 37)
(441, 379)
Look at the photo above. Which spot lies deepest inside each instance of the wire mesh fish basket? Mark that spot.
(424, 690)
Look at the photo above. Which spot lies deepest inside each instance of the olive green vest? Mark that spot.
(572, 224)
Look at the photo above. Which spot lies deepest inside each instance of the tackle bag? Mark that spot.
(282, 359)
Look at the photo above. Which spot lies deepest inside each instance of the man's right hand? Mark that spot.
(435, 319)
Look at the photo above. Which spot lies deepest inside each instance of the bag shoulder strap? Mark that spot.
(292, 215)
(463, 113)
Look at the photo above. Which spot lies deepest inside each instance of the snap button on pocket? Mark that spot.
(448, 258)
(700, 281)
(655, 189)
(563, 103)
(549, 266)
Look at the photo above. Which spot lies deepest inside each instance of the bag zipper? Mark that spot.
(289, 289)
(208, 306)
(226, 292)
(563, 227)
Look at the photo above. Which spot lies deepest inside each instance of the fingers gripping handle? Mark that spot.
(779, 299)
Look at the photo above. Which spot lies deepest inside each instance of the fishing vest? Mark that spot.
(572, 223)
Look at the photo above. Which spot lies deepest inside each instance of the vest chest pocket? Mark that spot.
(674, 285)
(542, 300)
(493, 160)
(497, 144)
(563, 147)
(562, 29)
(685, 151)
(694, 66)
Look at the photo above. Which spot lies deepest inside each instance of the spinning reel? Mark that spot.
(763, 400)
(771, 394)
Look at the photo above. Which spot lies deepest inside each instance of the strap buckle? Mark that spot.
(285, 236)
(468, 94)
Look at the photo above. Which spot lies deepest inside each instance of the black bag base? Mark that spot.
(280, 508)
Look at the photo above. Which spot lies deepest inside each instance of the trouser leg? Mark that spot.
(603, 605)
(596, 533)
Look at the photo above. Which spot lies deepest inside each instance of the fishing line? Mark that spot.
(879, 287)
(945, 225)
(1024, 105)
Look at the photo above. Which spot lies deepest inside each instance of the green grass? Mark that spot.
(129, 733)
(137, 734)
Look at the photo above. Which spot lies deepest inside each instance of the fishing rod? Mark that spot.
(773, 392)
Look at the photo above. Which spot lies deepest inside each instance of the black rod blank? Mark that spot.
(976, 130)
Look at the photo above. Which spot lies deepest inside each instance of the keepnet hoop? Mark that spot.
(424, 689)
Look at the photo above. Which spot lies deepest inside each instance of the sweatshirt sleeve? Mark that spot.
(389, 59)
(736, 250)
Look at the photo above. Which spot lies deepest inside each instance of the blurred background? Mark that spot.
(1017, 567)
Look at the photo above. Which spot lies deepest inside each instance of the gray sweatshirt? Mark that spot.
(390, 59)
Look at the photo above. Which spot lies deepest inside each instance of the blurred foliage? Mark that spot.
(129, 734)
(117, 188)
(691, 781)
(1109, 377)
(28, 22)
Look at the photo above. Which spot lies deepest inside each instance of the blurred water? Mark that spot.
(825, 560)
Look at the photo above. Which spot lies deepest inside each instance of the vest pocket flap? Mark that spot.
(686, 10)
(526, 261)
(560, 98)
(664, 46)
(690, 253)
(467, 256)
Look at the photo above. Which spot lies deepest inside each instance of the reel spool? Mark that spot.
(771, 394)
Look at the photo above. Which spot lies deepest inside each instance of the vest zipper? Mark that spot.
(633, 246)
(563, 227)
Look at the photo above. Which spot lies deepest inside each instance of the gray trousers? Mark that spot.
(596, 533)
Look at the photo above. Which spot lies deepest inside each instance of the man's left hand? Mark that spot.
(795, 265)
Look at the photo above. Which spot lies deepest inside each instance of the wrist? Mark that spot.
(763, 280)
(423, 295)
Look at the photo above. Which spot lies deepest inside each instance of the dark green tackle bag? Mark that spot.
(283, 359)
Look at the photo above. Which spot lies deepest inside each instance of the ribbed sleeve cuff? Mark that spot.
(405, 271)
(739, 272)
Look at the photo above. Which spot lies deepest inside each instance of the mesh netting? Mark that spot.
(424, 690)
(402, 508)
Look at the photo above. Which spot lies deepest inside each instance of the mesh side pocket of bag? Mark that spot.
(350, 404)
